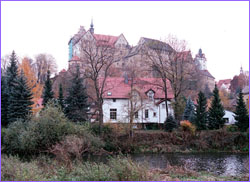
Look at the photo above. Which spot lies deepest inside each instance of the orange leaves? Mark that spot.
(187, 126)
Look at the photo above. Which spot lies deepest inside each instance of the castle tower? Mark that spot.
(201, 60)
(91, 27)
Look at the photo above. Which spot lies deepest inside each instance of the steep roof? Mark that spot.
(225, 82)
(117, 88)
(206, 73)
(158, 45)
(108, 40)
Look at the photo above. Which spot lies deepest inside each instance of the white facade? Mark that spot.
(229, 116)
(156, 112)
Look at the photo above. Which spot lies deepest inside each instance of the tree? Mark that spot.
(170, 123)
(189, 111)
(201, 112)
(4, 101)
(48, 93)
(171, 62)
(77, 106)
(30, 75)
(241, 114)
(19, 100)
(98, 59)
(60, 97)
(9, 81)
(179, 107)
(43, 63)
(216, 112)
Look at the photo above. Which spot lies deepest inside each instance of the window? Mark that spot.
(109, 94)
(154, 114)
(146, 113)
(136, 115)
(226, 120)
(114, 100)
(151, 95)
(163, 106)
(113, 113)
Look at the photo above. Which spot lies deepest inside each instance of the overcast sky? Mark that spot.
(221, 29)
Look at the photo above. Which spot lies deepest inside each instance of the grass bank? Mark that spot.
(116, 169)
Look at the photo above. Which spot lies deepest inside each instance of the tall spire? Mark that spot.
(241, 70)
(91, 26)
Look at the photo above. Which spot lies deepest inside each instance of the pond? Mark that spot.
(224, 164)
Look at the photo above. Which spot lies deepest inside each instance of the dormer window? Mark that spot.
(151, 95)
(109, 93)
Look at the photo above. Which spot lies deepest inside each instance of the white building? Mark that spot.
(229, 117)
(147, 99)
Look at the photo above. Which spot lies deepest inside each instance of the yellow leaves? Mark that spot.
(30, 75)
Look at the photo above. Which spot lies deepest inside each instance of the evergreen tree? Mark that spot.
(201, 112)
(12, 71)
(170, 123)
(8, 84)
(60, 97)
(20, 100)
(241, 114)
(216, 112)
(189, 110)
(4, 101)
(48, 93)
(76, 102)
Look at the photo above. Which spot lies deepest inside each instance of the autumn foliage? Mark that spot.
(187, 126)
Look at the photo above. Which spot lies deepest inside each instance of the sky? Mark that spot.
(220, 29)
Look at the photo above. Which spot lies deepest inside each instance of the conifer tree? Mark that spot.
(60, 97)
(189, 110)
(201, 112)
(4, 101)
(48, 93)
(77, 100)
(216, 112)
(241, 114)
(20, 100)
(10, 80)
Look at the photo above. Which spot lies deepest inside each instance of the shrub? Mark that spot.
(37, 135)
(231, 128)
(187, 126)
(170, 123)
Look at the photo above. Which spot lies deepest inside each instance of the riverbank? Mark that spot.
(116, 169)
(158, 141)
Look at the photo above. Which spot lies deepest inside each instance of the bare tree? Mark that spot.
(97, 60)
(172, 62)
(43, 63)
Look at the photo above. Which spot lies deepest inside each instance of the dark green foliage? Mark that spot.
(77, 100)
(48, 93)
(19, 106)
(179, 107)
(201, 112)
(4, 101)
(42, 132)
(170, 123)
(216, 112)
(12, 71)
(189, 111)
(60, 97)
(241, 114)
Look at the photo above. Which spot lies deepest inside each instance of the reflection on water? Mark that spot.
(219, 163)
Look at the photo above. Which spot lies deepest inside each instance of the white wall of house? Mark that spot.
(230, 116)
(156, 113)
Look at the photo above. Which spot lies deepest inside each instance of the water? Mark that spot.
(224, 164)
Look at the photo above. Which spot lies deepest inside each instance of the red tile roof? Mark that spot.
(226, 81)
(75, 58)
(63, 71)
(119, 89)
(107, 40)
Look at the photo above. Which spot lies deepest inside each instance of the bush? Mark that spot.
(231, 128)
(39, 134)
(170, 123)
(187, 126)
